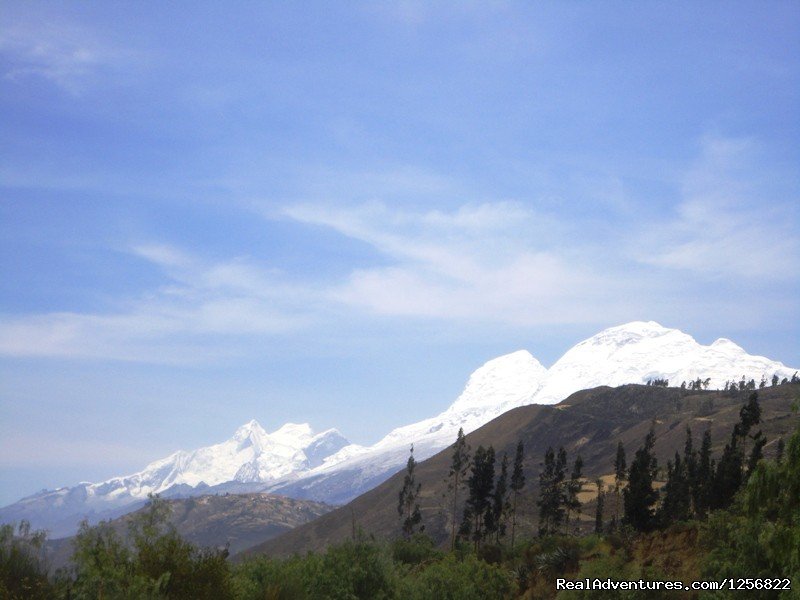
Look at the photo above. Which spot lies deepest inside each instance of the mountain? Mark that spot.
(588, 422)
(251, 456)
(238, 521)
(294, 462)
(633, 353)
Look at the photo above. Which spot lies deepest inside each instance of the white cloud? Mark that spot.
(53, 49)
(731, 222)
(180, 322)
(481, 262)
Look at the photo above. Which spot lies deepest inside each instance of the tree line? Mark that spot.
(483, 502)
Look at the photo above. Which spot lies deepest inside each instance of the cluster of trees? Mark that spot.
(558, 496)
(491, 498)
(695, 482)
(733, 385)
(743, 384)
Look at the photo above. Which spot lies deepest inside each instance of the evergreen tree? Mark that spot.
(703, 480)
(639, 497)
(478, 514)
(690, 464)
(501, 504)
(620, 470)
(677, 497)
(571, 502)
(551, 492)
(779, 451)
(598, 513)
(517, 483)
(458, 472)
(408, 507)
(728, 474)
(749, 417)
(757, 453)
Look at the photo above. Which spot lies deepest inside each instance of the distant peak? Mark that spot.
(640, 327)
(248, 428)
(294, 429)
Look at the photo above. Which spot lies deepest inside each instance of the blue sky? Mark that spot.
(334, 212)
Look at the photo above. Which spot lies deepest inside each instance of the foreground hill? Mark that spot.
(238, 521)
(589, 422)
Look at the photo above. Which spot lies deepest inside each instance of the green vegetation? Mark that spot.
(735, 517)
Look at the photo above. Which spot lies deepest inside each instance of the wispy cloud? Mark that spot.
(731, 220)
(177, 323)
(57, 51)
(489, 262)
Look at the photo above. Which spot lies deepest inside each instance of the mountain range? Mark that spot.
(296, 462)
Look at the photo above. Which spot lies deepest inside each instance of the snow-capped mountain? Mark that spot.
(251, 456)
(296, 462)
(632, 353)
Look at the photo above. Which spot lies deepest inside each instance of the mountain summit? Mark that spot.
(296, 462)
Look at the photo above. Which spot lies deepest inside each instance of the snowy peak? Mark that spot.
(640, 351)
(506, 380)
(251, 455)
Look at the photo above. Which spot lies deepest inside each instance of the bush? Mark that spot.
(453, 579)
(418, 549)
(23, 573)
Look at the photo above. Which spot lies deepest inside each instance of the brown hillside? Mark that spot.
(236, 520)
(589, 422)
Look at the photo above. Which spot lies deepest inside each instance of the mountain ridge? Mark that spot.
(296, 462)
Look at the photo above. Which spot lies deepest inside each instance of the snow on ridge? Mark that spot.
(629, 353)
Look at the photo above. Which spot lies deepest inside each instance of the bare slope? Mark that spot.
(590, 422)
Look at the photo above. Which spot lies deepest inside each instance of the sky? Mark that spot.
(334, 212)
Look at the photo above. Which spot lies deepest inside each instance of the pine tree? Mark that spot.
(620, 469)
(408, 508)
(757, 453)
(779, 451)
(677, 497)
(749, 417)
(458, 472)
(501, 504)
(571, 503)
(551, 492)
(639, 497)
(598, 513)
(728, 475)
(517, 483)
(703, 480)
(478, 514)
(690, 464)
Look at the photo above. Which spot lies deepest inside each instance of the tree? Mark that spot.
(728, 475)
(598, 513)
(703, 479)
(478, 513)
(677, 494)
(620, 469)
(639, 497)
(690, 464)
(501, 504)
(517, 483)
(760, 534)
(408, 507)
(459, 466)
(23, 572)
(551, 492)
(571, 502)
